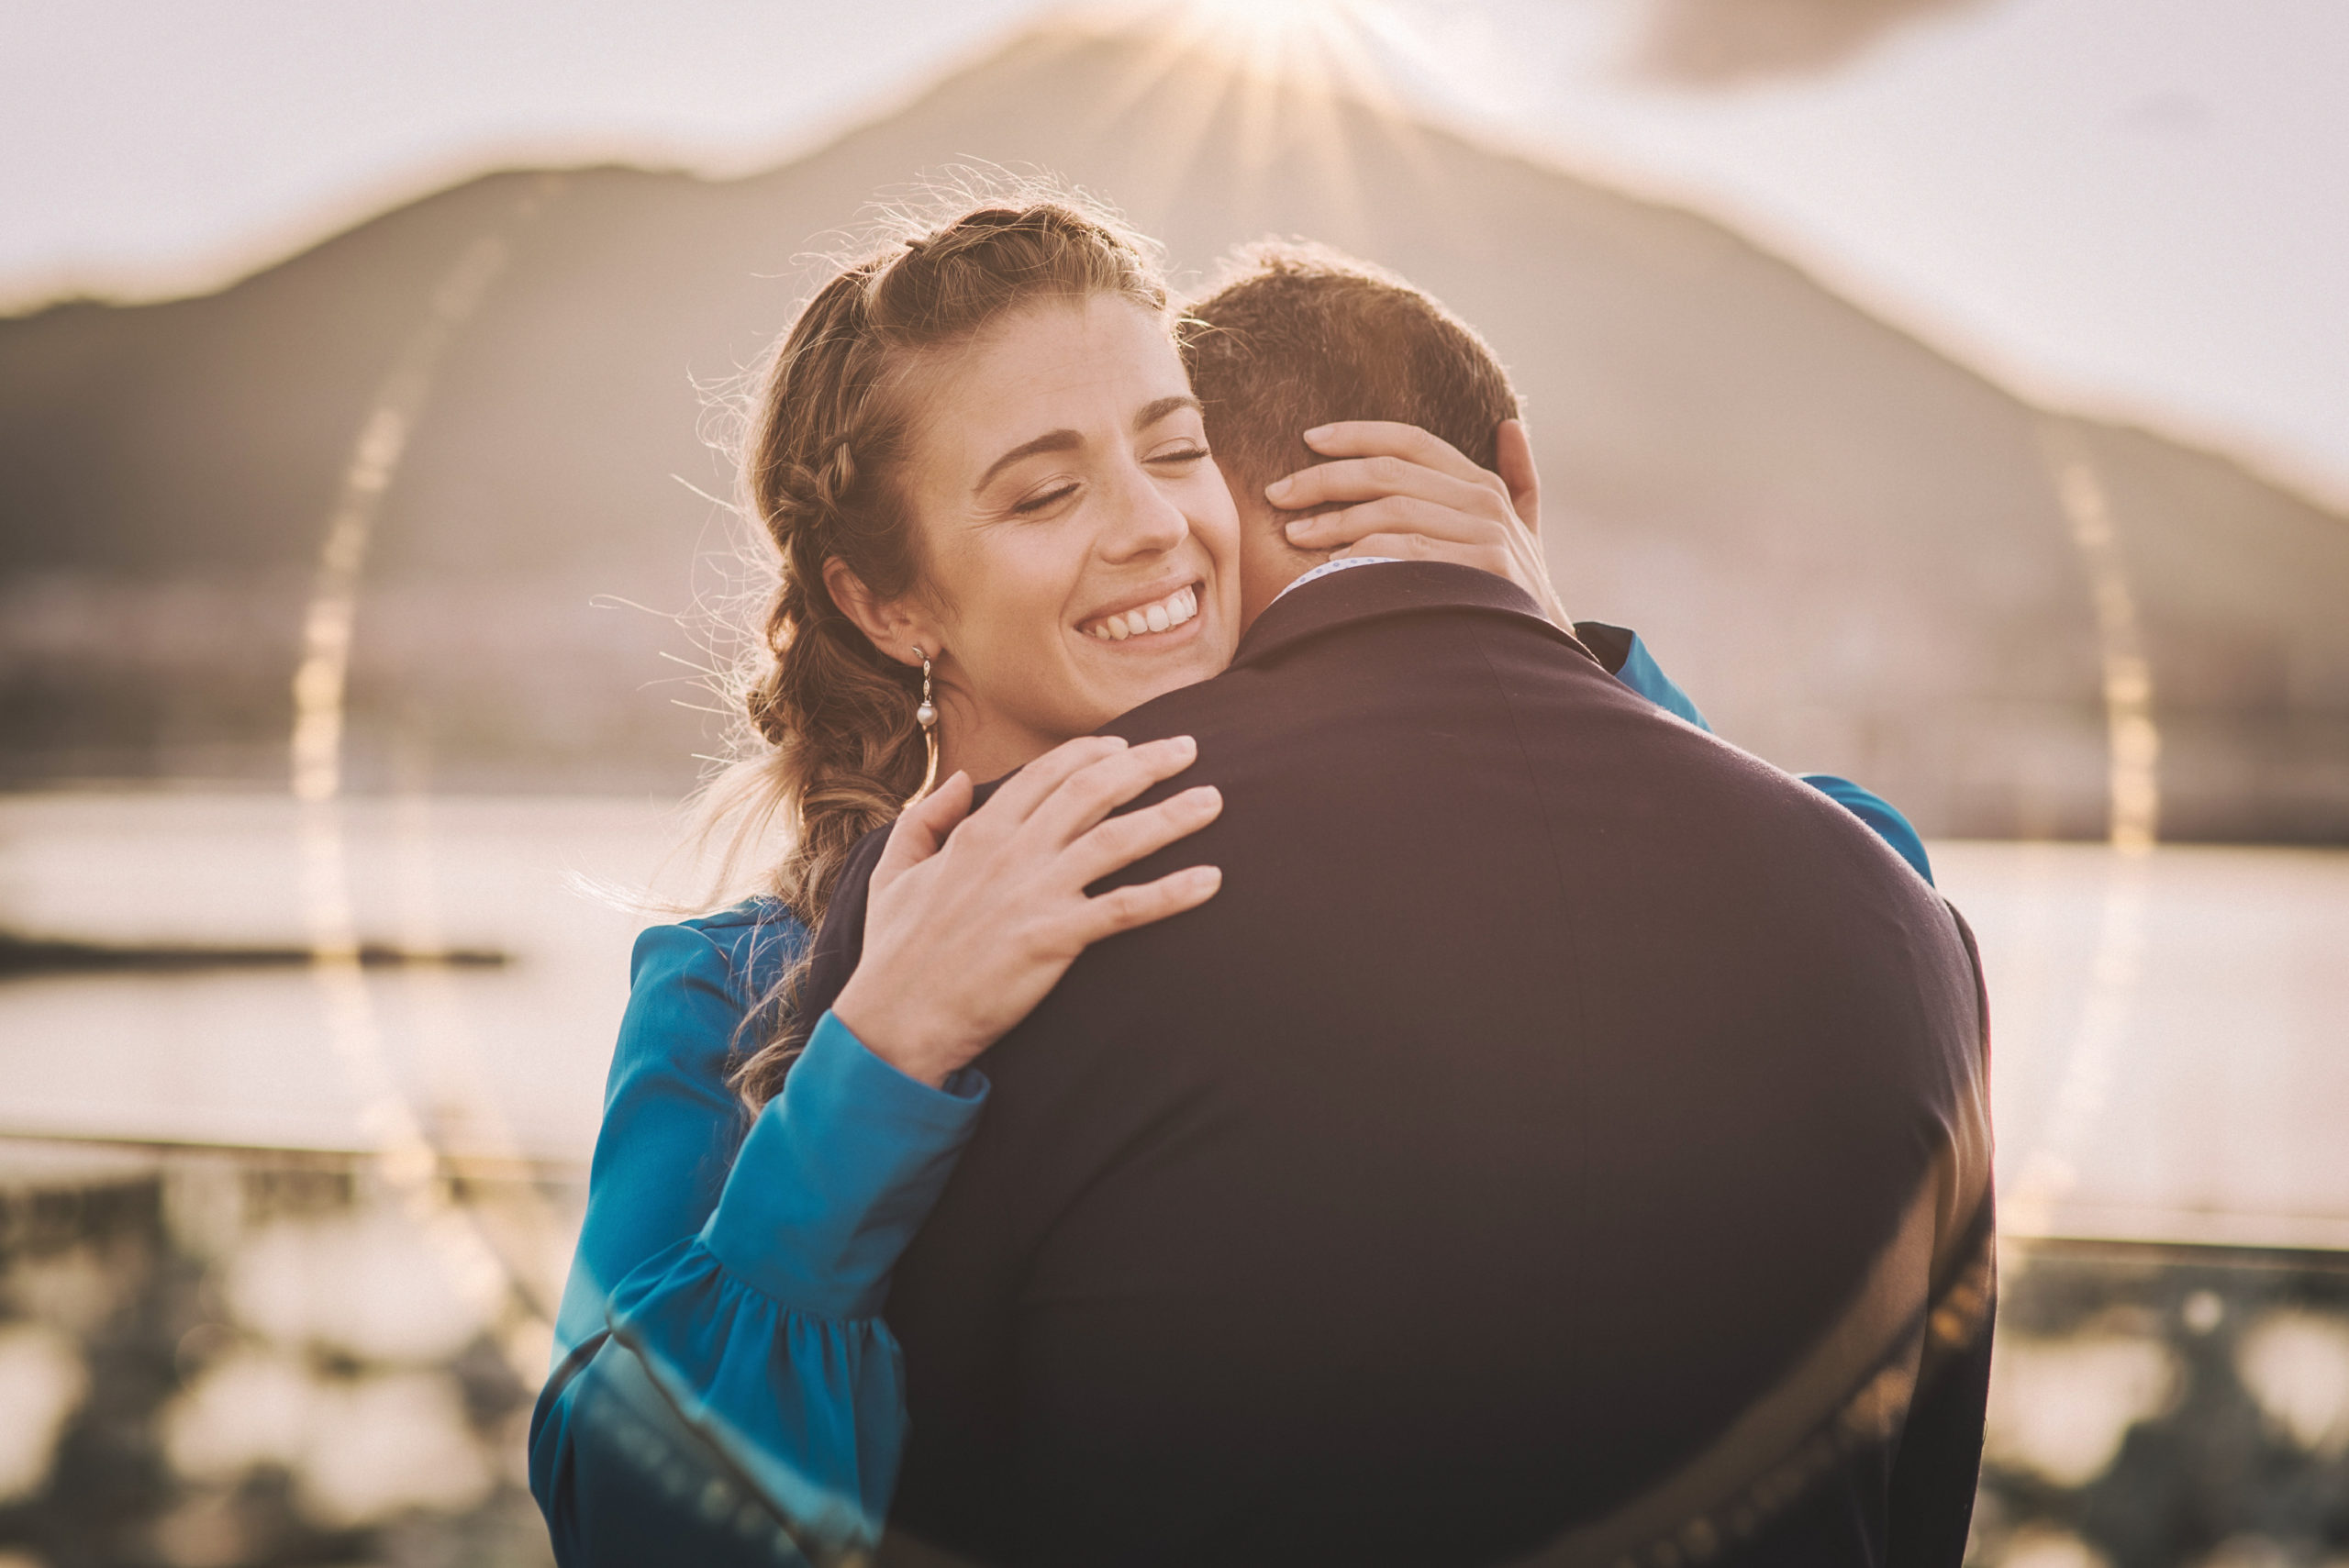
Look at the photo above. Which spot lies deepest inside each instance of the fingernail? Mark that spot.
(1318, 432)
(1282, 486)
(1205, 797)
(1205, 879)
(1298, 528)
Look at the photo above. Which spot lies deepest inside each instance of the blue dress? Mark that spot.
(724, 1389)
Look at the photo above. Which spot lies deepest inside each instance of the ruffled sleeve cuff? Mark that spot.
(811, 1411)
(762, 1331)
(836, 1173)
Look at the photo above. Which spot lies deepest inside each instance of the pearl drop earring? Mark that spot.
(926, 715)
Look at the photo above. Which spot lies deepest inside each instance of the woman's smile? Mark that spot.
(1149, 621)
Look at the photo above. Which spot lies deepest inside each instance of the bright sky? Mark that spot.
(2138, 206)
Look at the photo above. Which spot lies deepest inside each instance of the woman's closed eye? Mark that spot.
(1049, 498)
(1176, 460)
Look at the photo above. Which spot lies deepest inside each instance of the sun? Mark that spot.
(1278, 38)
(1290, 84)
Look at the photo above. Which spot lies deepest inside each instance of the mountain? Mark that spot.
(1853, 552)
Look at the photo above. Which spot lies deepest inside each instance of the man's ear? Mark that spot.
(897, 627)
(1514, 460)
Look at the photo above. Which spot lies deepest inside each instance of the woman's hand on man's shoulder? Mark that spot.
(974, 915)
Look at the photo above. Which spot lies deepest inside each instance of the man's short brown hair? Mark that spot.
(1294, 336)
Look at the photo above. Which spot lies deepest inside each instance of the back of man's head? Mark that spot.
(1293, 336)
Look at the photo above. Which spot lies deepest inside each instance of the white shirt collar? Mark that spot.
(1332, 566)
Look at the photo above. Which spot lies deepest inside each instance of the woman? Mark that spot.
(981, 444)
(999, 527)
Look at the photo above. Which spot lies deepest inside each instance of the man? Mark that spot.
(1563, 1139)
(1300, 327)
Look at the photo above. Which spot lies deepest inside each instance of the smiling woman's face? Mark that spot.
(1079, 551)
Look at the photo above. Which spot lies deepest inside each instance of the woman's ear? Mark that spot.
(897, 627)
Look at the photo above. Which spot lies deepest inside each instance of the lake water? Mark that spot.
(277, 1245)
(2171, 1031)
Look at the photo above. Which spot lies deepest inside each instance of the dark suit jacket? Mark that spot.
(1562, 1138)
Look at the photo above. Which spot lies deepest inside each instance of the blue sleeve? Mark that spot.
(1644, 675)
(671, 1126)
(724, 1386)
(1879, 814)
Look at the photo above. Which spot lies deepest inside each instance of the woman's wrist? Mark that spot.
(899, 1030)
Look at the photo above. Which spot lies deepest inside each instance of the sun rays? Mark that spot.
(1291, 41)
(1279, 87)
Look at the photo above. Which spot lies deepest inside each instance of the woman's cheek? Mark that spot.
(1217, 517)
(1216, 523)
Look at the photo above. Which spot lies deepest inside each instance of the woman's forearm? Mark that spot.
(747, 1356)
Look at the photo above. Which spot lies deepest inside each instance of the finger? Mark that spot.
(1119, 841)
(1369, 478)
(1386, 438)
(1395, 514)
(1034, 783)
(921, 831)
(1123, 908)
(1513, 457)
(1509, 561)
(1491, 558)
(1086, 796)
(1531, 572)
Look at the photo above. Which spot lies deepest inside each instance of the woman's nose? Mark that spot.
(1148, 521)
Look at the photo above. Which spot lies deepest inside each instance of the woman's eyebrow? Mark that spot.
(1050, 441)
(1065, 440)
(1153, 413)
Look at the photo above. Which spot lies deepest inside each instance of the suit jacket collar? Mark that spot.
(1401, 587)
(1344, 599)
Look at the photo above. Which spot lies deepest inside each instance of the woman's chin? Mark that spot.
(1132, 670)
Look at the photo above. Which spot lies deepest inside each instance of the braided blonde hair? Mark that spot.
(829, 741)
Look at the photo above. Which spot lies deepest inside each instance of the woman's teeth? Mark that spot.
(1169, 612)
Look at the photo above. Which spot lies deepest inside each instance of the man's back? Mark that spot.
(1556, 1130)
